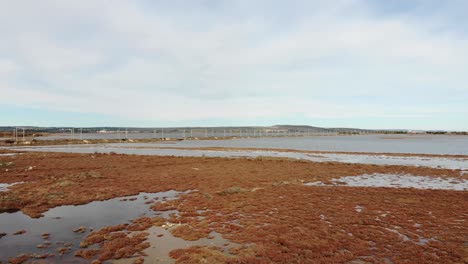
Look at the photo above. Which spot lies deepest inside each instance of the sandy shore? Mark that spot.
(260, 204)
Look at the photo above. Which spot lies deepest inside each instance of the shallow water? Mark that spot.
(433, 162)
(61, 221)
(419, 144)
(397, 181)
(4, 186)
(404, 143)
(159, 249)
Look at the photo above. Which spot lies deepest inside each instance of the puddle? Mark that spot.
(160, 246)
(397, 181)
(4, 186)
(432, 162)
(60, 222)
(7, 154)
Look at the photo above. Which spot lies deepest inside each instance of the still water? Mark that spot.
(405, 143)
(60, 222)
(419, 144)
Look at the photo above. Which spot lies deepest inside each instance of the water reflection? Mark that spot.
(60, 222)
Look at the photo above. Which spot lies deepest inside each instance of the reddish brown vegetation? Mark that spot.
(25, 257)
(19, 232)
(87, 253)
(199, 255)
(115, 241)
(188, 233)
(144, 223)
(19, 259)
(260, 204)
(101, 235)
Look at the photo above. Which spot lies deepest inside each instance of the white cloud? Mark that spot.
(7, 67)
(141, 61)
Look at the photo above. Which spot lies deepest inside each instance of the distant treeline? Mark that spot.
(446, 132)
(459, 133)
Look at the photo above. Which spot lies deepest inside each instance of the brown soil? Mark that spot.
(258, 203)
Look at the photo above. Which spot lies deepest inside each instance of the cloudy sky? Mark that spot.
(355, 63)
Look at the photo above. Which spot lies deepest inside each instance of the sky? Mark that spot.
(342, 63)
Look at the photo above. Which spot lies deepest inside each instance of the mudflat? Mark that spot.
(260, 205)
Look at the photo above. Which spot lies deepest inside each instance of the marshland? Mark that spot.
(323, 199)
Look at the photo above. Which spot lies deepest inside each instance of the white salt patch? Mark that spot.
(423, 241)
(4, 186)
(323, 218)
(358, 208)
(404, 237)
(398, 181)
(7, 154)
(319, 183)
